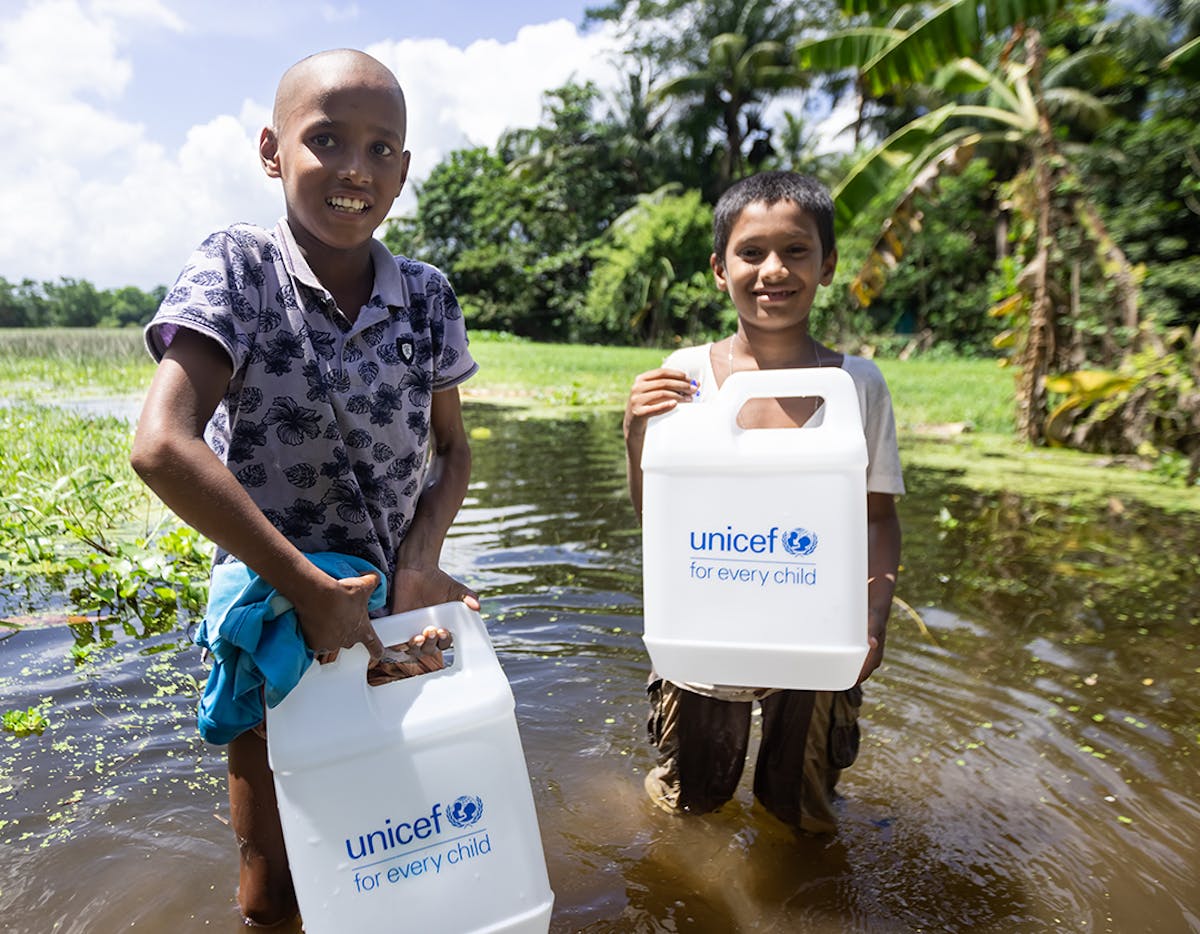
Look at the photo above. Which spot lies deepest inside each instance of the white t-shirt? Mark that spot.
(879, 427)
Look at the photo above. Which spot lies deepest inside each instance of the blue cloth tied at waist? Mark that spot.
(254, 637)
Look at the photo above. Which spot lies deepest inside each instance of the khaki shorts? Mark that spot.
(808, 737)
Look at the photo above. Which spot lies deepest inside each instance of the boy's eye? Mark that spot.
(382, 149)
(322, 140)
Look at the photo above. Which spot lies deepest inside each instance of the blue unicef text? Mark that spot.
(764, 558)
(416, 847)
(390, 836)
(739, 542)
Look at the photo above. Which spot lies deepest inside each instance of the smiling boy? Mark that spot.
(305, 376)
(773, 247)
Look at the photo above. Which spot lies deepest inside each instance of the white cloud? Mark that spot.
(99, 197)
(468, 97)
(150, 12)
(60, 71)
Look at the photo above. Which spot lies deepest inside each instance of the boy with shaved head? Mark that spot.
(306, 376)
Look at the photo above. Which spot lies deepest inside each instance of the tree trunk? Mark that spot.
(733, 143)
(1039, 344)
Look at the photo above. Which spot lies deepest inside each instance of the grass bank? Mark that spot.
(967, 393)
(953, 415)
(56, 364)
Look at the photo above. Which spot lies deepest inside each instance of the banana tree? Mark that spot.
(1012, 104)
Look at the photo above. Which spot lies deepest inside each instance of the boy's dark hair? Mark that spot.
(804, 191)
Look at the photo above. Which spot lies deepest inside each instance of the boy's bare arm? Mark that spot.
(883, 563)
(653, 392)
(418, 578)
(170, 454)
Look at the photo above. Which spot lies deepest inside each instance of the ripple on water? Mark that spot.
(1029, 766)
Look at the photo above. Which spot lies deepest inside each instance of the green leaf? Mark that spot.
(1185, 60)
(956, 29)
(846, 49)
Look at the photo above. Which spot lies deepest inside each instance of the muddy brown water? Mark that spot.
(1031, 763)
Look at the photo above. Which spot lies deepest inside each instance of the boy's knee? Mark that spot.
(266, 909)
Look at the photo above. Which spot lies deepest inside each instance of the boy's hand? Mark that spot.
(874, 657)
(655, 392)
(419, 655)
(413, 588)
(337, 618)
(658, 390)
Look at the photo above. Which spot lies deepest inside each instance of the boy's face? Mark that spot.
(338, 147)
(773, 264)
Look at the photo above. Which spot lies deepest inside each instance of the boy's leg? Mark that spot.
(808, 738)
(701, 748)
(265, 893)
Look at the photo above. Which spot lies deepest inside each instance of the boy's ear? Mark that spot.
(718, 269)
(828, 265)
(407, 157)
(268, 151)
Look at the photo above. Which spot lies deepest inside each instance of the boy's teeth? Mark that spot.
(349, 204)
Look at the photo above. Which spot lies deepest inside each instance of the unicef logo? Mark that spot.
(465, 811)
(800, 542)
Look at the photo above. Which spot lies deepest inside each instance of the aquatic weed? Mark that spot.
(25, 722)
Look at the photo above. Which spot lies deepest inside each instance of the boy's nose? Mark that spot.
(355, 170)
(774, 266)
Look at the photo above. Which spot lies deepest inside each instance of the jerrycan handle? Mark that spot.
(472, 645)
(833, 384)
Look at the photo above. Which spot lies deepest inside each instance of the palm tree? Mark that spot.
(742, 60)
(733, 83)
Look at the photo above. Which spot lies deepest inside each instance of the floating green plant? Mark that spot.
(25, 722)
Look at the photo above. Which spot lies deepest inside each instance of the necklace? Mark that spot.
(816, 349)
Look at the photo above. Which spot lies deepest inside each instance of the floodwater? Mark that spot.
(1030, 761)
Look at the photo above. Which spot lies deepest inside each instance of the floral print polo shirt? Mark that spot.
(325, 423)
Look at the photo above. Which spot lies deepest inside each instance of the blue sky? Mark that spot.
(225, 55)
(133, 123)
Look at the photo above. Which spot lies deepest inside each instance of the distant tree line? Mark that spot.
(74, 303)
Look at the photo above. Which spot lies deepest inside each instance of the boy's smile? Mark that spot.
(351, 205)
(773, 265)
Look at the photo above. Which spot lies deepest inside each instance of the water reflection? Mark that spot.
(1029, 764)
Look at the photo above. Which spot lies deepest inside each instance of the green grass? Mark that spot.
(925, 393)
(72, 363)
(953, 415)
(556, 374)
(975, 393)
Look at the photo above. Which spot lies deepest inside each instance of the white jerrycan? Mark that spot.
(406, 806)
(755, 540)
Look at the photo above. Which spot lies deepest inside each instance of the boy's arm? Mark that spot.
(883, 563)
(653, 392)
(170, 454)
(418, 579)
